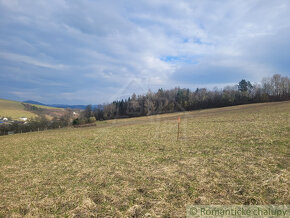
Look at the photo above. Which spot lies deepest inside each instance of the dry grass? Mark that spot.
(136, 167)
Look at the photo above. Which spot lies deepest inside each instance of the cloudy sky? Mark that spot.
(85, 51)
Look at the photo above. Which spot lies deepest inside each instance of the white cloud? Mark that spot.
(29, 60)
(101, 47)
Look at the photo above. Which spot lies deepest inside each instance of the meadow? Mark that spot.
(137, 168)
(14, 110)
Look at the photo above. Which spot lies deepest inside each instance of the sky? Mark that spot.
(93, 52)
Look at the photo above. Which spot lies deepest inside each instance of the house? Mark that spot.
(5, 119)
(23, 118)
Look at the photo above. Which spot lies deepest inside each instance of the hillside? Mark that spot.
(132, 167)
(15, 110)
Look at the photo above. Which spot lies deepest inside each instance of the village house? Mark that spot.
(23, 118)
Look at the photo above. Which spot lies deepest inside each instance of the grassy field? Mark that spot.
(137, 168)
(14, 110)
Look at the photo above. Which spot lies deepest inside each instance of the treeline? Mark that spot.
(276, 88)
(32, 108)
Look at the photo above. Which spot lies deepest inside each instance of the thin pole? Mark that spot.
(178, 128)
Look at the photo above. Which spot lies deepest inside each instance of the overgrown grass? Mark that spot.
(136, 167)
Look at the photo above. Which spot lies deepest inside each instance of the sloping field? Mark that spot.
(14, 110)
(136, 167)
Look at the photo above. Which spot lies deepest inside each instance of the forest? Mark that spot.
(275, 88)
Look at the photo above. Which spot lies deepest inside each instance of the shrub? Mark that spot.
(76, 121)
(92, 120)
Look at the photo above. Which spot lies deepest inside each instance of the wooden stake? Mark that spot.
(178, 128)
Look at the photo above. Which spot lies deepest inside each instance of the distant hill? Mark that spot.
(81, 107)
(33, 102)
